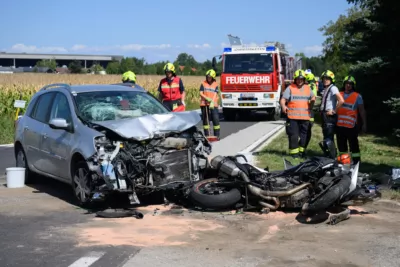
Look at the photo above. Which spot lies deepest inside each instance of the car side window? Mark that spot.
(60, 109)
(43, 105)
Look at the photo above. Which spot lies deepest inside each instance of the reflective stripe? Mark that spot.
(210, 90)
(299, 106)
(217, 127)
(171, 91)
(348, 112)
(294, 151)
(301, 149)
(206, 127)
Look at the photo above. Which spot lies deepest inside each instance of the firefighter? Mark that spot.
(310, 80)
(171, 90)
(209, 103)
(129, 77)
(347, 123)
(300, 100)
(331, 101)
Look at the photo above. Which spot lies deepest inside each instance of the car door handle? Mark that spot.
(44, 136)
(26, 128)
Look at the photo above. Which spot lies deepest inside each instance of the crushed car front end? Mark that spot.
(135, 164)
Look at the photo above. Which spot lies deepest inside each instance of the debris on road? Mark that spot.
(119, 213)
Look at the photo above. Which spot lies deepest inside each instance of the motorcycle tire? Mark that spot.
(327, 198)
(222, 201)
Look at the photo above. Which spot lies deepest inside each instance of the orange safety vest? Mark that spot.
(299, 106)
(348, 112)
(171, 91)
(210, 90)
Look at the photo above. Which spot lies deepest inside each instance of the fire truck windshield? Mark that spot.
(248, 63)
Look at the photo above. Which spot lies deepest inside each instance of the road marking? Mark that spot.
(88, 259)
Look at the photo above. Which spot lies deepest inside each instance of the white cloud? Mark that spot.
(314, 50)
(34, 49)
(84, 48)
(197, 46)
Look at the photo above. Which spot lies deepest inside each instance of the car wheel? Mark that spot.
(21, 161)
(82, 184)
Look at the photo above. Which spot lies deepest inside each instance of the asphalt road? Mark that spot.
(32, 236)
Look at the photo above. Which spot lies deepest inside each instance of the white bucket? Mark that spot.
(15, 177)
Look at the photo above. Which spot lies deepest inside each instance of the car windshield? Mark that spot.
(115, 105)
(248, 63)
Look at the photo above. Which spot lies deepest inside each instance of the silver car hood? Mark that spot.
(146, 127)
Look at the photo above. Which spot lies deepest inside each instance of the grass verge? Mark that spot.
(378, 154)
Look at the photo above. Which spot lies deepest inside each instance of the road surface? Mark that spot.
(33, 218)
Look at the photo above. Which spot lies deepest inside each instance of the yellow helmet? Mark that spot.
(310, 77)
(299, 74)
(349, 79)
(328, 74)
(129, 76)
(211, 73)
(169, 67)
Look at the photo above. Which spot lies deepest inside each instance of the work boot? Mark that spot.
(206, 132)
(217, 133)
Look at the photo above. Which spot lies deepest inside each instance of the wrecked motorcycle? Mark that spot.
(168, 162)
(314, 185)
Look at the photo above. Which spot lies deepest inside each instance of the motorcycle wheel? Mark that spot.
(327, 197)
(208, 195)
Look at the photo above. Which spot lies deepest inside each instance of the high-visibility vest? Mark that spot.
(299, 106)
(348, 112)
(171, 92)
(210, 90)
(314, 88)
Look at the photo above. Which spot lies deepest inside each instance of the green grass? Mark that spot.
(7, 131)
(378, 154)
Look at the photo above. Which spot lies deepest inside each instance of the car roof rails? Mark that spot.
(56, 85)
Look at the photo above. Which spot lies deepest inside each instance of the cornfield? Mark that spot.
(14, 86)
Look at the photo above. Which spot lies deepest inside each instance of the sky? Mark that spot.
(160, 30)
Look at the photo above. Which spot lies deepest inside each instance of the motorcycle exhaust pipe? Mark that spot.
(257, 191)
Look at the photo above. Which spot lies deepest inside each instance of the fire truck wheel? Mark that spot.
(229, 114)
(275, 114)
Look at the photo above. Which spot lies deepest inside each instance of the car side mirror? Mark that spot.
(59, 124)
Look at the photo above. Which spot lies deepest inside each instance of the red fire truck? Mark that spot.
(254, 77)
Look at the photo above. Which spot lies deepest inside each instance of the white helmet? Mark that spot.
(307, 71)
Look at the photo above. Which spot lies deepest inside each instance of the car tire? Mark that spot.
(82, 185)
(21, 161)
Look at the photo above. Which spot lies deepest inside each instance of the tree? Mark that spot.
(75, 66)
(336, 36)
(47, 63)
(113, 67)
(371, 47)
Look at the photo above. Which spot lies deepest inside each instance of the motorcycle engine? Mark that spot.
(296, 200)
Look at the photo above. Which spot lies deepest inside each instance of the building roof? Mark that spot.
(4, 55)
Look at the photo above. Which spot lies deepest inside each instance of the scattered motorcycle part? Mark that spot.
(115, 213)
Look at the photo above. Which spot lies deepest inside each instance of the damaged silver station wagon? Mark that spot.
(105, 138)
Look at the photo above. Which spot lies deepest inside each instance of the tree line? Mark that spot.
(363, 43)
